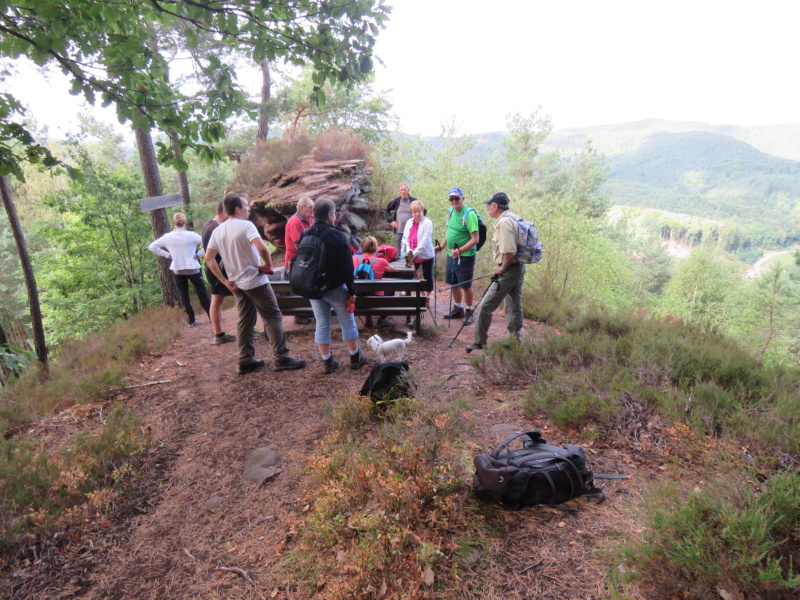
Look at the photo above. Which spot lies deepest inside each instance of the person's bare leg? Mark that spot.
(468, 297)
(215, 312)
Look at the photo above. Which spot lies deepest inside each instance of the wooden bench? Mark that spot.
(413, 303)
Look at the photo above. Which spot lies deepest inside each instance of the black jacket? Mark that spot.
(338, 257)
(391, 209)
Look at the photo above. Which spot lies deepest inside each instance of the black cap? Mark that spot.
(500, 198)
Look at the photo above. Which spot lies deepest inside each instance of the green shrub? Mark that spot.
(603, 365)
(728, 534)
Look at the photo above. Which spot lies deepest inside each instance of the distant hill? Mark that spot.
(748, 177)
(782, 140)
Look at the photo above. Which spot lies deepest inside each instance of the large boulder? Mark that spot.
(345, 182)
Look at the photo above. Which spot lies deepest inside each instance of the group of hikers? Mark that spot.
(238, 263)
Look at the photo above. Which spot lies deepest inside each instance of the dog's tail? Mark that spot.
(409, 335)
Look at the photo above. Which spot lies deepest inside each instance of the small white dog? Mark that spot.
(382, 348)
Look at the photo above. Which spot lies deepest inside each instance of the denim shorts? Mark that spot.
(463, 268)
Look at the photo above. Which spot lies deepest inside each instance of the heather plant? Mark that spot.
(339, 145)
(731, 537)
(267, 158)
(39, 489)
(83, 370)
(388, 503)
(603, 367)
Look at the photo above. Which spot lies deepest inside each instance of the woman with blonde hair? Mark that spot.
(417, 243)
(181, 246)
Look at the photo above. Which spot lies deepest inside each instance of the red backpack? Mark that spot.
(387, 252)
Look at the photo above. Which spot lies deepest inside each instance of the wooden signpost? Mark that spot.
(156, 202)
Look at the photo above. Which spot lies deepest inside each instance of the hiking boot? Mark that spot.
(224, 338)
(469, 317)
(249, 367)
(474, 347)
(331, 364)
(358, 360)
(287, 363)
(257, 333)
(456, 313)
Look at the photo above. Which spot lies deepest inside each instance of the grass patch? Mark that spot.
(603, 367)
(85, 369)
(733, 534)
(389, 507)
(38, 491)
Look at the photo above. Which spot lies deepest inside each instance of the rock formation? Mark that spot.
(345, 182)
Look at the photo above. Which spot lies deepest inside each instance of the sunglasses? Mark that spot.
(454, 198)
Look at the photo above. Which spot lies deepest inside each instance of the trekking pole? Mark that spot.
(434, 285)
(460, 283)
(495, 279)
(450, 305)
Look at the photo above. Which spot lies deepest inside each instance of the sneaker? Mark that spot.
(474, 347)
(192, 323)
(224, 338)
(469, 317)
(249, 367)
(257, 333)
(358, 360)
(288, 362)
(456, 313)
(331, 364)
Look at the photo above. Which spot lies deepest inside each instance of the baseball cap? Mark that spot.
(500, 198)
(455, 192)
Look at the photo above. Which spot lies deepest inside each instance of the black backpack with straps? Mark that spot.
(308, 276)
(533, 474)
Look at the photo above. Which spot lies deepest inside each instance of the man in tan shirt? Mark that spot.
(511, 275)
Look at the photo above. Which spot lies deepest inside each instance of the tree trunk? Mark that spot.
(27, 269)
(263, 118)
(158, 218)
(183, 180)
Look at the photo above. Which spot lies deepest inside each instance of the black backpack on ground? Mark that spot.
(534, 474)
(387, 381)
(309, 276)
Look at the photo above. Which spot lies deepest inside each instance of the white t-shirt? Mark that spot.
(233, 239)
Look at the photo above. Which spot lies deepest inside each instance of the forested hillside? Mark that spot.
(712, 176)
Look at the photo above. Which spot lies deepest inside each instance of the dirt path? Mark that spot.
(194, 514)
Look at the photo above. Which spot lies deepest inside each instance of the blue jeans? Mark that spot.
(336, 299)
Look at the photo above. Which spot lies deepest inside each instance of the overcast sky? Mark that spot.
(586, 62)
(590, 62)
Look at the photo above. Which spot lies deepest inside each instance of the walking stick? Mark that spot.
(495, 279)
(434, 285)
(450, 308)
(460, 283)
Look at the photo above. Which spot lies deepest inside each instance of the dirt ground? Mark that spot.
(193, 521)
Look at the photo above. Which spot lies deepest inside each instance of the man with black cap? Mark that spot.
(510, 275)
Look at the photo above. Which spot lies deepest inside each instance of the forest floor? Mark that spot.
(192, 520)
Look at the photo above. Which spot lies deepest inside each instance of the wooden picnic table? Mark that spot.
(401, 270)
